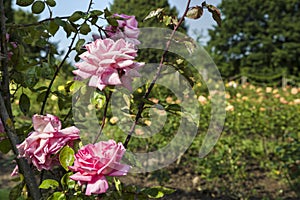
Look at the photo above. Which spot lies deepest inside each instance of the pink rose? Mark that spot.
(95, 161)
(42, 145)
(108, 62)
(127, 29)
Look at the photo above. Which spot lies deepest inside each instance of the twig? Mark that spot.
(60, 66)
(104, 116)
(157, 74)
(36, 23)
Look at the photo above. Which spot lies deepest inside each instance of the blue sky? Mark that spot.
(67, 7)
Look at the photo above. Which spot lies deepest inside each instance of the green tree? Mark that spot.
(257, 37)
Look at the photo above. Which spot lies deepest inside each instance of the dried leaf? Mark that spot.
(153, 13)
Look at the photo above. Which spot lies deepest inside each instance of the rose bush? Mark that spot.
(95, 161)
(107, 62)
(42, 145)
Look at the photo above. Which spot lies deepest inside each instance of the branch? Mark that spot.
(6, 113)
(61, 64)
(157, 74)
(36, 23)
(22, 162)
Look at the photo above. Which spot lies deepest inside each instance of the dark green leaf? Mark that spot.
(53, 28)
(51, 3)
(49, 183)
(66, 182)
(107, 13)
(41, 96)
(84, 29)
(79, 44)
(16, 192)
(96, 12)
(24, 2)
(38, 7)
(5, 146)
(59, 21)
(112, 21)
(76, 16)
(66, 157)
(24, 103)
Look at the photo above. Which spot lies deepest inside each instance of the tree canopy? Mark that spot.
(257, 37)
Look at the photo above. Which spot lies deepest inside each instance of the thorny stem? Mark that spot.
(104, 116)
(61, 64)
(157, 74)
(6, 112)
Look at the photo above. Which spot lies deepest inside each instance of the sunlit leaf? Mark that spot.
(49, 183)
(66, 157)
(194, 12)
(153, 13)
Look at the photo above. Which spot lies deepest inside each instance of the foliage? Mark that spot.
(262, 36)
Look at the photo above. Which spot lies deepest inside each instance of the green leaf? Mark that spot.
(51, 3)
(49, 183)
(16, 192)
(57, 196)
(41, 96)
(84, 29)
(66, 182)
(68, 28)
(5, 146)
(66, 157)
(107, 13)
(38, 7)
(112, 21)
(154, 13)
(59, 21)
(157, 191)
(24, 2)
(96, 12)
(24, 103)
(76, 16)
(53, 28)
(79, 44)
(118, 185)
(167, 20)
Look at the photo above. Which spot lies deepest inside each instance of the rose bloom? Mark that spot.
(42, 145)
(95, 161)
(108, 62)
(127, 29)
